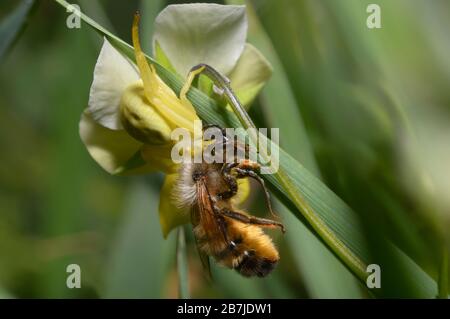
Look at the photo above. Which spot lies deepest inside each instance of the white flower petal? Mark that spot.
(113, 73)
(109, 148)
(190, 34)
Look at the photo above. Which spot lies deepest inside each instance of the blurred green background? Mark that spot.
(366, 110)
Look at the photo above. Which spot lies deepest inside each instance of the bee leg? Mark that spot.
(248, 219)
(250, 172)
(230, 180)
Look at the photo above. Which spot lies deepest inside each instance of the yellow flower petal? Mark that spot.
(158, 156)
(170, 216)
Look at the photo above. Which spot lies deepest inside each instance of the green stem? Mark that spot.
(337, 246)
(182, 266)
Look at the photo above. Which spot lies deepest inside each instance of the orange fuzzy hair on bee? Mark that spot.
(250, 251)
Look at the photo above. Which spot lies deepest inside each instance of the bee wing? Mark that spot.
(203, 214)
(207, 217)
(204, 258)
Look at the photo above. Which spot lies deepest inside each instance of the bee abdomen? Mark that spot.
(254, 265)
(229, 252)
(250, 252)
(245, 261)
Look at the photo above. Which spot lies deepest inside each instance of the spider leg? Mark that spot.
(249, 169)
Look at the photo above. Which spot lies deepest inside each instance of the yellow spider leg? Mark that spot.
(156, 92)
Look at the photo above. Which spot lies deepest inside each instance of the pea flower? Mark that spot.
(132, 112)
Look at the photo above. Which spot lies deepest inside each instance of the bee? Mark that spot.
(234, 238)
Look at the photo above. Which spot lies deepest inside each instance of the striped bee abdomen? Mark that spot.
(249, 250)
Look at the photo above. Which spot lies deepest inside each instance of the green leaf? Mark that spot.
(309, 199)
(13, 23)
